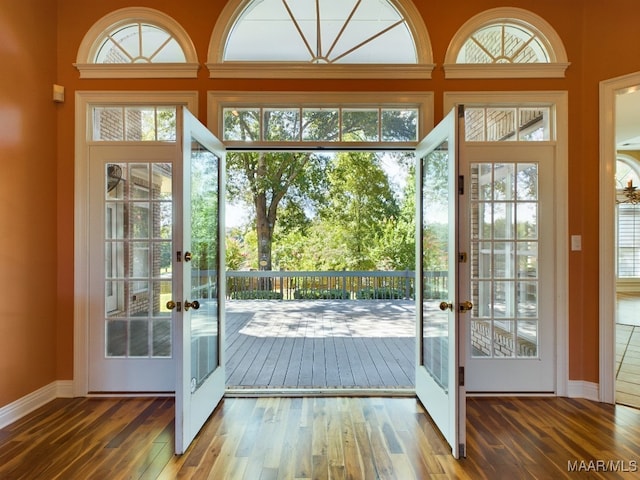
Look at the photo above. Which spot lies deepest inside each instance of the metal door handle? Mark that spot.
(465, 306)
(195, 305)
(171, 304)
(444, 306)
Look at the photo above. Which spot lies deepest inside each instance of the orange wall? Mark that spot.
(27, 198)
(599, 38)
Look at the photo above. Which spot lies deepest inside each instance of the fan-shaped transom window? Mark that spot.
(337, 38)
(139, 42)
(136, 42)
(321, 31)
(505, 42)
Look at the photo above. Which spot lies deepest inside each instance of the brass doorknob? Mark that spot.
(171, 304)
(444, 306)
(195, 305)
(465, 306)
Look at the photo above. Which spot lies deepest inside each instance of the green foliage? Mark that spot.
(353, 218)
(380, 293)
(256, 295)
(320, 294)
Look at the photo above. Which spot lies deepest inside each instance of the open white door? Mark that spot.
(199, 301)
(439, 380)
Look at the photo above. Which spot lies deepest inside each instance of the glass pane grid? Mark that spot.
(503, 43)
(504, 265)
(139, 43)
(138, 259)
(367, 31)
(134, 124)
(320, 124)
(508, 124)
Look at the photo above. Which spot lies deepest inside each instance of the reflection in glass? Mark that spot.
(321, 124)
(504, 220)
(360, 125)
(435, 233)
(204, 264)
(137, 261)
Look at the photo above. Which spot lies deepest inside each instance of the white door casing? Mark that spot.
(556, 246)
(83, 223)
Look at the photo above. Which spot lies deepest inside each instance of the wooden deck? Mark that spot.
(320, 344)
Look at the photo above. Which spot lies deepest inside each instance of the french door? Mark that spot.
(156, 286)
(131, 333)
(439, 384)
(198, 303)
(509, 211)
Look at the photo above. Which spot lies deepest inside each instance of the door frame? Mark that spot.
(560, 100)
(606, 390)
(83, 99)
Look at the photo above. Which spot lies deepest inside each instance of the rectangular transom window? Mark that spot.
(508, 124)
(133, 123)
(320, 124)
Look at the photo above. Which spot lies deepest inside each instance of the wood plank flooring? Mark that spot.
(628, 349)
(322, 438)
(320, 344)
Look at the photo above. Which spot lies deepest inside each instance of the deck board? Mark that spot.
(320, 344)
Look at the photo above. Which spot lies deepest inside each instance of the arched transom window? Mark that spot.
(505, 43)
(364, 31)
(136, 42)
(337, 38)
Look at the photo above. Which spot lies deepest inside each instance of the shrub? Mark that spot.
(320, 294)
(381, 293)
(256, 295)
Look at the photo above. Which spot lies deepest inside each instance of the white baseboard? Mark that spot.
(581, 389)
(27, 404)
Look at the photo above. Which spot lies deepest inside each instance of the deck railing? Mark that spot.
(347, 285)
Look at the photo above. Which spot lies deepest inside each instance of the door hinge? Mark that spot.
(460, 184)
(461, 376)
(178, 256)
(462, 257)
(462, 450)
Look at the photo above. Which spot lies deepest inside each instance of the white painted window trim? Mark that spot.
(560, 100)
(218, 100)
(607, 296)
(218, 68)
(84, 100)
(94, 37)
(555, 48)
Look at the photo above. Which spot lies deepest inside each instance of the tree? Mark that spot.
(359, 200)
(290, 185)
(395, 249)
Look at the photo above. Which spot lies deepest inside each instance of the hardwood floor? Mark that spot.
(628, 349)
(322, 437)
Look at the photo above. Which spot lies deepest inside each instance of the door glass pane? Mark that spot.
(137, 240)
(504, 211)
(204, 264)
(435, 235)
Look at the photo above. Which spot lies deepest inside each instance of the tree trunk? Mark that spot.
(264, 229)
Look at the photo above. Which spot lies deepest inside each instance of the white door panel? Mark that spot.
(507, 222)
(437, 364)
(130, 331)
(199, 300)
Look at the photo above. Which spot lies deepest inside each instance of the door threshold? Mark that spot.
(319, 392)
